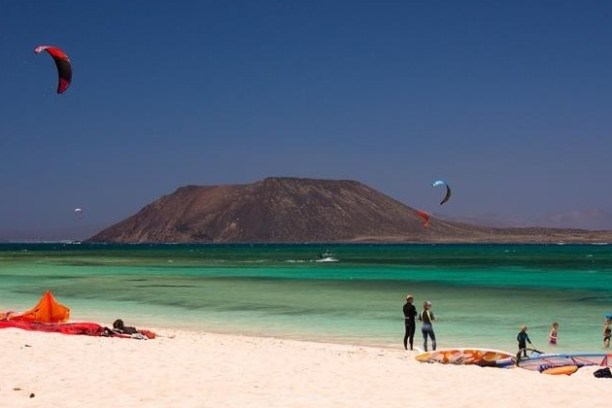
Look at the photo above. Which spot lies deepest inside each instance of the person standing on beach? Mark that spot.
(410, 313)
(522, 339)
(427, 317)
(554, 331)
(607, 333)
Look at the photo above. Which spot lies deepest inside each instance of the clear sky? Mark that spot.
(509, 102)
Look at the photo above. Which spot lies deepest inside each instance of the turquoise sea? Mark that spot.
(481, 294)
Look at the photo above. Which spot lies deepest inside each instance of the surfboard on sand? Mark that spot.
(567, 370)
(469, 356)
(542, 362)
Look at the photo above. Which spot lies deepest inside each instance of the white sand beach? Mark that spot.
(197, 369)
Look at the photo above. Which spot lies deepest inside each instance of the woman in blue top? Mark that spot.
(427, 317)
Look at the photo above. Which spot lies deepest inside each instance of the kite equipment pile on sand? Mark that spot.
(51, 316)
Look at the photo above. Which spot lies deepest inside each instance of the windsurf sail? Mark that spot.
(542, 362)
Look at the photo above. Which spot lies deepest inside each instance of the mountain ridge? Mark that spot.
(298, 210)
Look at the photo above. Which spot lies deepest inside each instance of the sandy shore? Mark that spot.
(195, 369)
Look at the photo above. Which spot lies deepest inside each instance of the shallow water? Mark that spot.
(482, 294)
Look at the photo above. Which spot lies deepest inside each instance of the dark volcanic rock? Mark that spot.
(280, 209)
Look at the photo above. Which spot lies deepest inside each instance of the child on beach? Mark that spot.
(552, 336)
(607, 332)
(522, 339)
(427, 317)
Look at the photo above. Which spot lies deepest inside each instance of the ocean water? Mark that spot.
(481, 294)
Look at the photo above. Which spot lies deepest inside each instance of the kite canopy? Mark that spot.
(86, 328)
(425, 217)
(448, 190)
(48, 310)
(62, 62)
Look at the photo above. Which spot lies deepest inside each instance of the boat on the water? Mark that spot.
(327, 257)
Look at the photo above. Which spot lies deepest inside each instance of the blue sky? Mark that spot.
(509, 102)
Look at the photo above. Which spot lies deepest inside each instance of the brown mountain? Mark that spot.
(282, 209)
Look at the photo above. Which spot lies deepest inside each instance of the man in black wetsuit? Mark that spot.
(409, 316)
